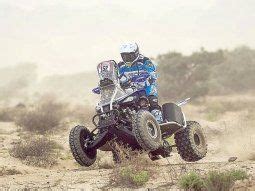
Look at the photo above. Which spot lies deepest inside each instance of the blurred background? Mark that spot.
(72, 36)
(201, 47)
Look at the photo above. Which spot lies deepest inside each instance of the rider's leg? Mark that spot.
(155, 109)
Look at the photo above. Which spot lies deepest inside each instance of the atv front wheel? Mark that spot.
(147, 131)
(191, 142)
(77, 141)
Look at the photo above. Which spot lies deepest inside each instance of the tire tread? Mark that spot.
(186, 149)
(76, 147)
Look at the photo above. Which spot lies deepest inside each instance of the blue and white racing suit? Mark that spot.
(144, 65)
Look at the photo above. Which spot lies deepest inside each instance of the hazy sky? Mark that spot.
(64, 36)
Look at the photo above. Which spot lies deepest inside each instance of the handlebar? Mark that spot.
(136, 79)
(96, 90)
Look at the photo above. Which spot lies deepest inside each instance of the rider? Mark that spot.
(134, 64)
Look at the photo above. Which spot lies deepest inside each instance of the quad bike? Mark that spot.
(122, 116)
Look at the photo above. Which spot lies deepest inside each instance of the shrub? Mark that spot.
(191, 181)
(188, 75)
(213, 181)
(137, 178)
(8, 171)
(223, 180)
(140, 178)
(45, 117)
(206, 73)
(238, 175)
(36, 151)
(134, 170)
(218, 181)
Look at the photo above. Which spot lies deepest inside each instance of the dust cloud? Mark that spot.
(239, 139)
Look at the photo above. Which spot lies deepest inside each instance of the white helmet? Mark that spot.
(129, 52)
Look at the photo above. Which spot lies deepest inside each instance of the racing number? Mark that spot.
(105, 68)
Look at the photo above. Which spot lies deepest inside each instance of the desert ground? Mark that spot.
(230, 133)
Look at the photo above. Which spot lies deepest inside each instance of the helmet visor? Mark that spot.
(129, 57)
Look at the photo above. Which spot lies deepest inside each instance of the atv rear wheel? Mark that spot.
(191, 142)
(147, 131)
(77, 141)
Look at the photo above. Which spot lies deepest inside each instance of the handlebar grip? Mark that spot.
(96, 90)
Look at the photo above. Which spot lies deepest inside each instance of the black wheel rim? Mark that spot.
(197, 139)
(152, 129)
(83, 141)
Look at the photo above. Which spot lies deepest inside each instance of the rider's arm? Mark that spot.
(121, 74)
(151, 68)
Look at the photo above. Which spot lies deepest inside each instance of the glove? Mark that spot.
(125, 84)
